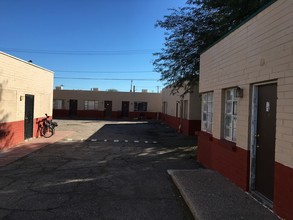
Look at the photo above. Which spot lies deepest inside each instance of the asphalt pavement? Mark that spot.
(102, 170)
(117, 170)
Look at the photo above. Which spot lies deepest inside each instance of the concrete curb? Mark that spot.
(183, 192)
(211, 196)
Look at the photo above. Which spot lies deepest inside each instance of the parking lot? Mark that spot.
(103, 170)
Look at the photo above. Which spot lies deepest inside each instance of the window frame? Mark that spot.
(207, 112)
(139, 106)
(185, 109)
(165, 107)
(230, 114)
(86, 104)
(57, 103)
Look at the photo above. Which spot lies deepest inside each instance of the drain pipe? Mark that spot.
(180, 117)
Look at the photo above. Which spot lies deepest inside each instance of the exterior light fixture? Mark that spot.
(239, 92)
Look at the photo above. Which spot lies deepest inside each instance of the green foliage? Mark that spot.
(192, 29)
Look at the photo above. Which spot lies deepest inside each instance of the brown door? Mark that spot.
(265, 140)
(108, 109)
(125, 109)
(72, 107)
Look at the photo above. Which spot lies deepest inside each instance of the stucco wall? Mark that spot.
(153, 99)
(260, 50)
(17, 78)
(193, 111)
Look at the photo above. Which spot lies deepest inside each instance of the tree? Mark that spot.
(192, 29)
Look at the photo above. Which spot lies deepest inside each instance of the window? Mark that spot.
(165, 107)
(90, 105)
(230, 117)
(140, 106)
(59, 104)
(185, 109)
(207, 112)
(177, 108)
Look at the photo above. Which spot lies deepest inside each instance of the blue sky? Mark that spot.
(106, 39)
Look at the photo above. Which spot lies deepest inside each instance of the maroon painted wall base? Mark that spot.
(12, 133)
(224, 157)
(184, 126)
(234, 163)
(283, 194)
(94, 114)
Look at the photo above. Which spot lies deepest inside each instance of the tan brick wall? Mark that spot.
(193, 99)
(261, 50)
(284, 130)
(153, 99)
(17, 78)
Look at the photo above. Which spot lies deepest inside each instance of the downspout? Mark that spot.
(180, 117)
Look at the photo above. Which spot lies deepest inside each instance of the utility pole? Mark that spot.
(158, 89)
(131, 86)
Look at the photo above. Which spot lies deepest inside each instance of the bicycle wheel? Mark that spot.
(47, 132)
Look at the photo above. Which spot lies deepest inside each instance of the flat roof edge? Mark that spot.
(81, 90)
(5, 54)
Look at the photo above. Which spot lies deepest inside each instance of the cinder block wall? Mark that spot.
(153, 102)
(17, 78)
(187, 125)
(261, 50)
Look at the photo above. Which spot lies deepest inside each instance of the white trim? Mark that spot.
(253, 126)
(206, 101)
(265, 83)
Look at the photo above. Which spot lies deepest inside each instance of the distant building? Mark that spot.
(181, 112)
(106, 105)
(246, 84)
(26, 94)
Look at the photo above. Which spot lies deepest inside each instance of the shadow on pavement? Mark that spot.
(100, 180)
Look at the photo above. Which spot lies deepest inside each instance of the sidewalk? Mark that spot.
(12, 154)
(211, 196)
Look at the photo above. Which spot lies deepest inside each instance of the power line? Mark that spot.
(108, 79)
(72, 52)
(89, 71)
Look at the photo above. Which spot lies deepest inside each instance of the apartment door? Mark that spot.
(72, 107)
(125, 109)
(108, 109)
(265, 140)
(29, 116)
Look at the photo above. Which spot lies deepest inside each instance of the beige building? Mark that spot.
(181, 112)
(246, 82)
(26, 94)
(101, 104)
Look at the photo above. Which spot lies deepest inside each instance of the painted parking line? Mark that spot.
(106, 140)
